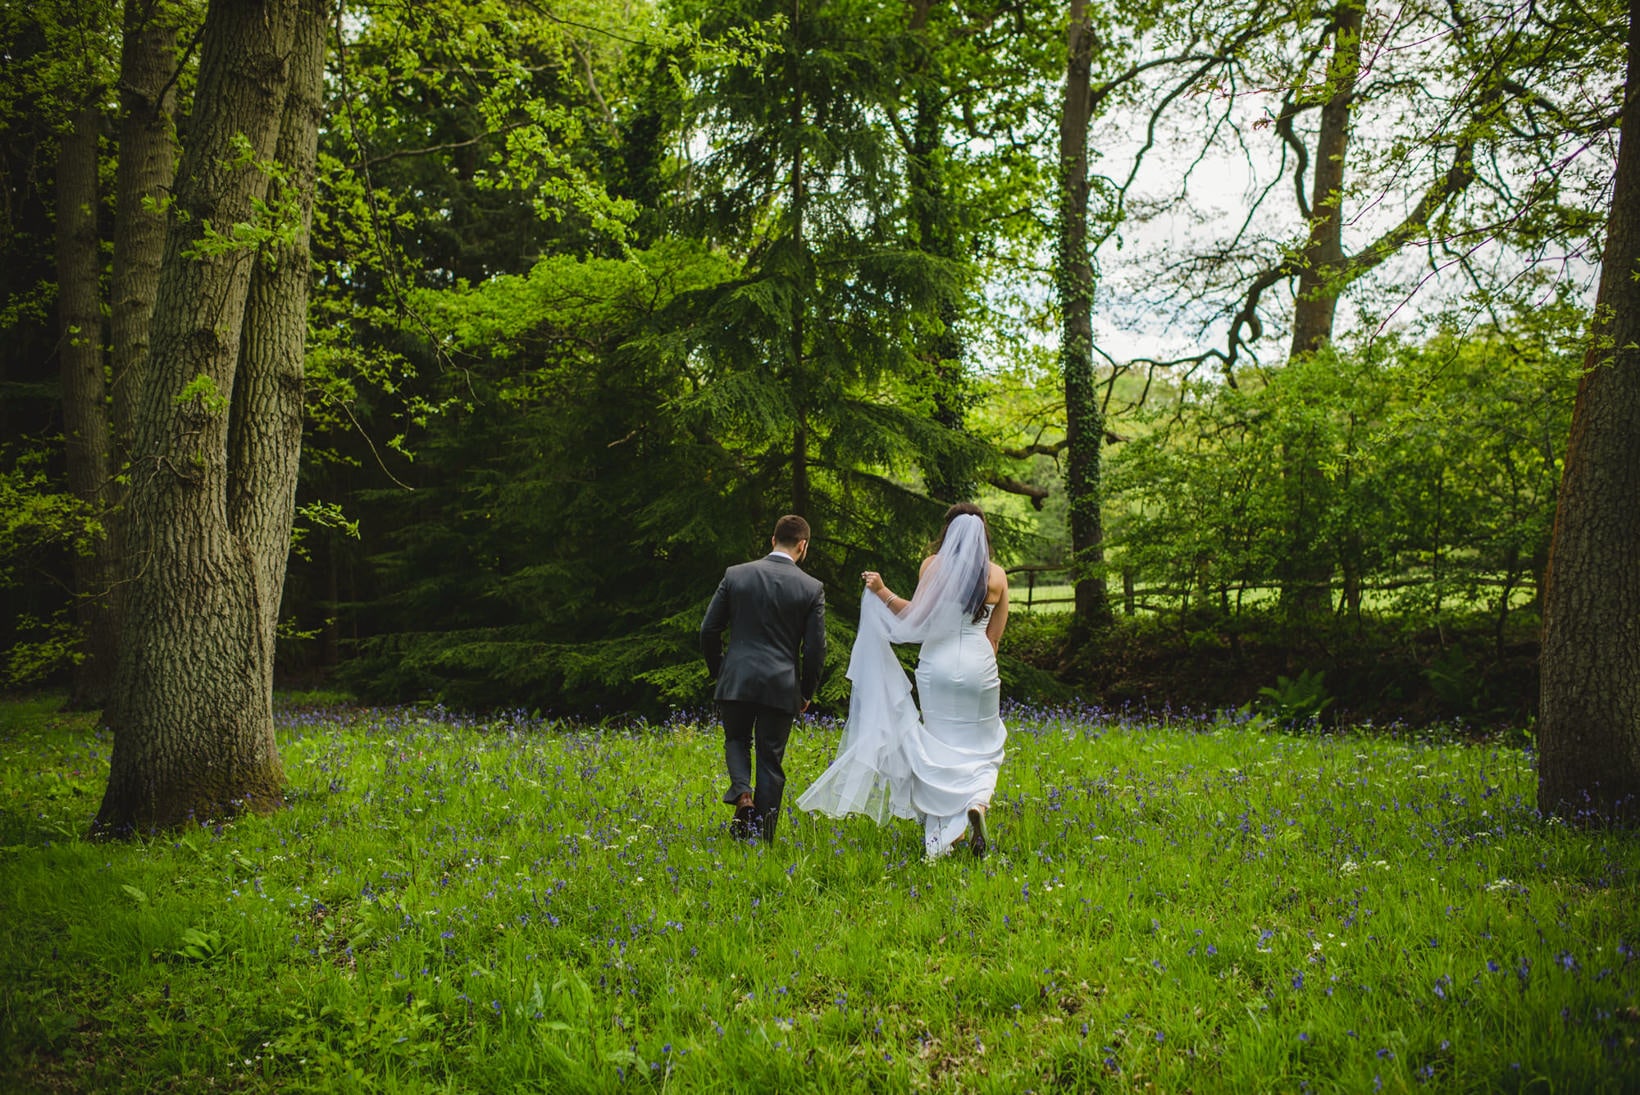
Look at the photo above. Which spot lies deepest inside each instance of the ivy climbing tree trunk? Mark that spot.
(1589, 719)
(84, 392)
(215, 437)
(1084, 417)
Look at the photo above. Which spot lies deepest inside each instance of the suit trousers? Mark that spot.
(746, 723)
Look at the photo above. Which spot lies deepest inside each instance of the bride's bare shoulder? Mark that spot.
(924, 568)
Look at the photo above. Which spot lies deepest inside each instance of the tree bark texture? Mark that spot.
(1084, 417)
(1322, 264)
(265, 427)
(1306, 586)
(143, 176)
(191, 708)
(84, 391)
(1589, 717)
(142, 182)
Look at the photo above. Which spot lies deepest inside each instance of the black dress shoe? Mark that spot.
(743, 825)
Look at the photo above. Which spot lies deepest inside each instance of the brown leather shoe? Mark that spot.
(741, 826)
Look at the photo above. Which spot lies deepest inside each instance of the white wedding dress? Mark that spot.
(928, 766)
(954, 760)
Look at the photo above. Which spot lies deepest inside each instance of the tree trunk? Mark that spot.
(1084, 418)
(143, 178)
(1318, 287)
(84, 392)
(1305, 586)
(1589, 719)
(265, 428)
(948, 477)
(142, 181)
(800, 298)
(191, 708)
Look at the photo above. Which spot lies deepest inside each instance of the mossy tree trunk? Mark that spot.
(1084, 417)
(216, 434)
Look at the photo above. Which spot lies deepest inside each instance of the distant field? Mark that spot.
(452, 904)
(1021, 597)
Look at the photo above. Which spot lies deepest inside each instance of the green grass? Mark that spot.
(450, 905)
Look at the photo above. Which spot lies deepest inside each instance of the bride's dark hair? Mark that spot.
(974, 603)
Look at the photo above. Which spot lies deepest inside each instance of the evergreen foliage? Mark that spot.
(599, 291)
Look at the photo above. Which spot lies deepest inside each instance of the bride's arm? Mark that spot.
(999, 617)
(891, 600)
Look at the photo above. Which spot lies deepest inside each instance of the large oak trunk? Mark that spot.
(216, 437)
(143, 176)
(1589, 720)
(1084, 417)
(84, 392)
(265, 438)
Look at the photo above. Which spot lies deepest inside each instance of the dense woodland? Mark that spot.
(447, 351)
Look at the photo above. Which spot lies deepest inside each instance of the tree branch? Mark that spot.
(1022, 452)
(1284, 129)
(1014, 486)
(448, 146)
(1457, 177)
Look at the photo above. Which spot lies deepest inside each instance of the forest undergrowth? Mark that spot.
(1463, 672)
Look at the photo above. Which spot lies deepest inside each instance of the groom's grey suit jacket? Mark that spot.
(776, 617)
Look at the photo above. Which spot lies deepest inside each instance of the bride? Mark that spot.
(938, 767)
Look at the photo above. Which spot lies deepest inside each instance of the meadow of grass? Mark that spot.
(1174, 904)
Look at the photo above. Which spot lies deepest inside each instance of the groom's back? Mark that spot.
(774, 614)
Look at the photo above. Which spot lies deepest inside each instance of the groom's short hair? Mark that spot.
(790, 529)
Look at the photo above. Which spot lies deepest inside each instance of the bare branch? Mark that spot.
(1284, 128)
(1457, 177)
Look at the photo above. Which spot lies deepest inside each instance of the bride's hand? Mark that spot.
(873, 580)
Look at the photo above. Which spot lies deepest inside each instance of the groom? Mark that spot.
(771, 609)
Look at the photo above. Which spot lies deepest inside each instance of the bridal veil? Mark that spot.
(871, 773)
